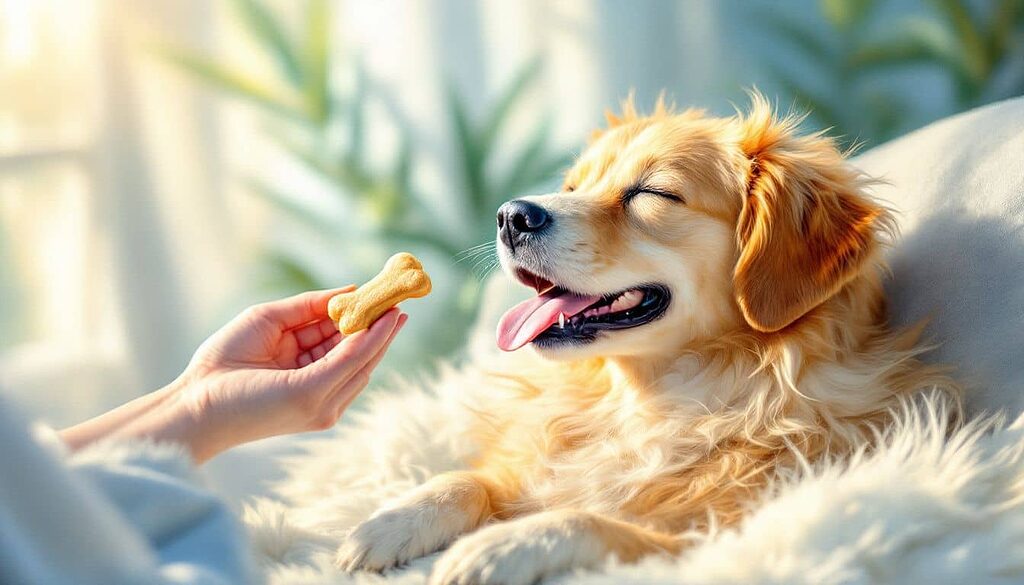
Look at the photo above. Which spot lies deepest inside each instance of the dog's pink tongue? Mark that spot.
(525, 321)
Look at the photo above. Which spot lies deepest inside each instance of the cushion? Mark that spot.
(958, 189)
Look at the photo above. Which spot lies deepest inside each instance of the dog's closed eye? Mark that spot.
(641, 190)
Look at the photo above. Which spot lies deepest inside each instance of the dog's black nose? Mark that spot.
(519, 217)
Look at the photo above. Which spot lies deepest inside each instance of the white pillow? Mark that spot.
(958, 188)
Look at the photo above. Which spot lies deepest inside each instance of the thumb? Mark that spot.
(354, 351)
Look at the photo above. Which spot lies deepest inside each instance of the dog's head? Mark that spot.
(673, 228)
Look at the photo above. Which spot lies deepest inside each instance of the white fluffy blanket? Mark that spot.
(924, 508)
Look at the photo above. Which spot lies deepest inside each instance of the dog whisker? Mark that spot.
(475, 258)
(493, 267)
(484, 260)
(475, 250)
(471, 253)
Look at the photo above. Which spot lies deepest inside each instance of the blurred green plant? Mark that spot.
(324, 128)
(842, 99)
(979, 47)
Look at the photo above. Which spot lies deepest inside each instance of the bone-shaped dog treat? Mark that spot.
(401, 278)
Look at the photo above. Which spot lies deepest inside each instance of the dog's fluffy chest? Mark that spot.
(601, 455)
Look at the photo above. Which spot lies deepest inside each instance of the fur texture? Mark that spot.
(927, 505)
(774, 354)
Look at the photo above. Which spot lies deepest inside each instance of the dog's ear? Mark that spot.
(805, 229)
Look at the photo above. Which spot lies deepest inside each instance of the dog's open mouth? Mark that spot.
(557, 315)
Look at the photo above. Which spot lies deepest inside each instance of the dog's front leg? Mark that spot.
(419, 523)
(526, 550)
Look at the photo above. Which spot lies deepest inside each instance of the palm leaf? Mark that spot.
(1006, 18)
(532, 165)
(356, 117)
(349, 177)
(861, 11)
(914, 41)
(264, 27)
(826, 113)
(384, 202)
(847, 15)
(972, 50)
(430, 238)
(317, 59)
(889, 113)
(805, 40)
(355, 177)
(507, 101)
(475, 145)
(291, 206)
(896, 52)
(402, 172)
(292, 273)
(238, 84)
(469, 154)
(920, 41)
(549, 167)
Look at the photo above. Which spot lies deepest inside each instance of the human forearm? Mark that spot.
(108, 423)
(166, 415)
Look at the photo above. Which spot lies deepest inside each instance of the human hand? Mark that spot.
(278, 368)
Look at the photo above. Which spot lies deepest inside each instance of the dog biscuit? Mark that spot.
(401, 278)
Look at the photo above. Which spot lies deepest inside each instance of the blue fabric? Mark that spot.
(115, 513)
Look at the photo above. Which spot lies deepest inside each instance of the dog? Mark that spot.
(709, 313)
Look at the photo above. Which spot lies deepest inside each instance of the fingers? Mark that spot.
(314, 334)
(318, 351)
(372, 364)
(300, 309)
(355, 351)
(344, 397)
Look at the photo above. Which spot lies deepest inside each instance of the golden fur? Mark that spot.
(776, 352)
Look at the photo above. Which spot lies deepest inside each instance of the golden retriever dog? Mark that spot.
(709, 312)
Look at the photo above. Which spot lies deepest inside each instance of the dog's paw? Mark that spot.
(520, 552)
(423, 522)
(388, 538)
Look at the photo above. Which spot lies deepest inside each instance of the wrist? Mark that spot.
(171, 416)
(185, 418)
